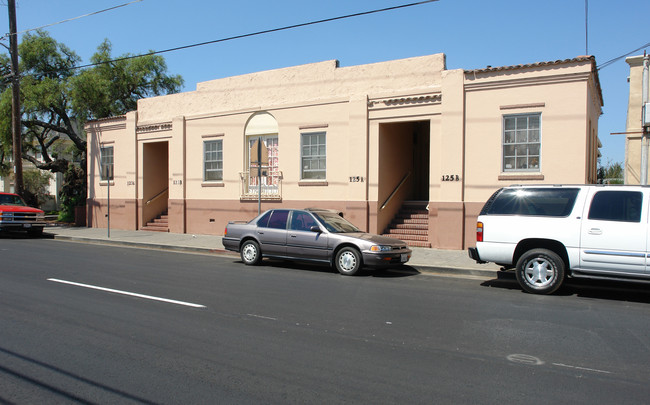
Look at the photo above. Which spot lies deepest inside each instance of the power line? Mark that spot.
(609, 62)
(288, 27)
(72, 19)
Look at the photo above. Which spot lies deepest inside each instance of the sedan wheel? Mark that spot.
(348, 261)
(250, 253)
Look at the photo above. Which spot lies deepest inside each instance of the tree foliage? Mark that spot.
(58, 98)
(36, 184)
(73, 192)
(611, 173)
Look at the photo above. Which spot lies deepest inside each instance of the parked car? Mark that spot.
(313, 235)
(548, 233)
(16, 215)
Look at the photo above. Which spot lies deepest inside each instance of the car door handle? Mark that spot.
(595, 231)
(293, 236)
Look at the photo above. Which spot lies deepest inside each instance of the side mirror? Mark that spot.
(315, 228)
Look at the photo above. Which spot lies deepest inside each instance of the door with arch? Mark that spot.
(264, 127)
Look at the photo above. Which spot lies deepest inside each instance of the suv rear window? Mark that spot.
(546, 202)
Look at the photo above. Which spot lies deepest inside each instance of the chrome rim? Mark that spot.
(540, 272)
(347, 261)
(249, 252)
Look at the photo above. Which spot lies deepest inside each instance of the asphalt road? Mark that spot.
(207, 329)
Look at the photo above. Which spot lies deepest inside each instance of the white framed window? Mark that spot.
(213, 160)
(522, 141)
(313, 159)
(106, 163)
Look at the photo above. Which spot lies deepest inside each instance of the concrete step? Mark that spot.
(411, 221)
(407, 238)
(413, 215)
(155, 228)
(413, 243)
(410, 226)
(400, 231)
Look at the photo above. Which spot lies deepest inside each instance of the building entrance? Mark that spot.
(155, 180)
(404, 160)
(404, 181)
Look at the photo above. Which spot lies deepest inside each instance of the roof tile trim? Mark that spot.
(537, 64)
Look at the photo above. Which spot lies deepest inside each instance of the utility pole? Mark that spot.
(644, 117)
(15, 104)
(586, 27)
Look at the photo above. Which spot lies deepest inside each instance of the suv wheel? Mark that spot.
(540, 271)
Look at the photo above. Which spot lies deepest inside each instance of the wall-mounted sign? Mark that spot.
(450, 177)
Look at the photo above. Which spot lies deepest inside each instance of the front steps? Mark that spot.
(159, 224)
(411, 224)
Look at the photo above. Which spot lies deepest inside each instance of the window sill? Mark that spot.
(212, 184)
(104, 183)
(309, 183)
(521, 176)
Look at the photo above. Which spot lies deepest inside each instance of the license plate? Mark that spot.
(404, 257)
(27, 225)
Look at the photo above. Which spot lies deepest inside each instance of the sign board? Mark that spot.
(108, 172)
(259, 154)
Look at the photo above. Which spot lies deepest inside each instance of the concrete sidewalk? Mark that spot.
(452, 262)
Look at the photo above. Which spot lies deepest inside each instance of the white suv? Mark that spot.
(548, 233)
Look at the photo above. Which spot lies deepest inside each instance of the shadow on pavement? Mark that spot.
(584, 288)
(23, 235)
(396, 272)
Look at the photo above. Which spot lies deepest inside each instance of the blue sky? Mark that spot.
(472, 33)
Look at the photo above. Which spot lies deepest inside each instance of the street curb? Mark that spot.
(433, 270)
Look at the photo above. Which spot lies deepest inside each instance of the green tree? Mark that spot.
(611, 173)
(72, 193)
(36, 183)
(57, 98)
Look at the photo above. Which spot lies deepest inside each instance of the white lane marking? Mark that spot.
(582, 368)
(525, 359)
(148, 297)
(262, 317)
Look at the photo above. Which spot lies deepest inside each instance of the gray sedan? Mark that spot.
(313, 235)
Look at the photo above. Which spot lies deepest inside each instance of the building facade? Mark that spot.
(634, 127)
(367, 140)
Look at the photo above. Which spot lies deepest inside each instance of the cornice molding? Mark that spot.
(484, 84)
(387, 102)
(107, 124)
(162, 127)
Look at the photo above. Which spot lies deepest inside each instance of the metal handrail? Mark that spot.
(390, 197)
(157, 196)
(269, 191)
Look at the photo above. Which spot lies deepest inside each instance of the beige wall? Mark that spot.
(296, 85)
(119, 133)
(369, 114)
(563, 102)
(633, 126)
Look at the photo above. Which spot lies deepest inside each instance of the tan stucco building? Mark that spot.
(633, 127)
(367, 140)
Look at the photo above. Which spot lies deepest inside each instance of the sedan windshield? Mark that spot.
(335, 223)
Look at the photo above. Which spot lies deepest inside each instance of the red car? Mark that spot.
(16, 215)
